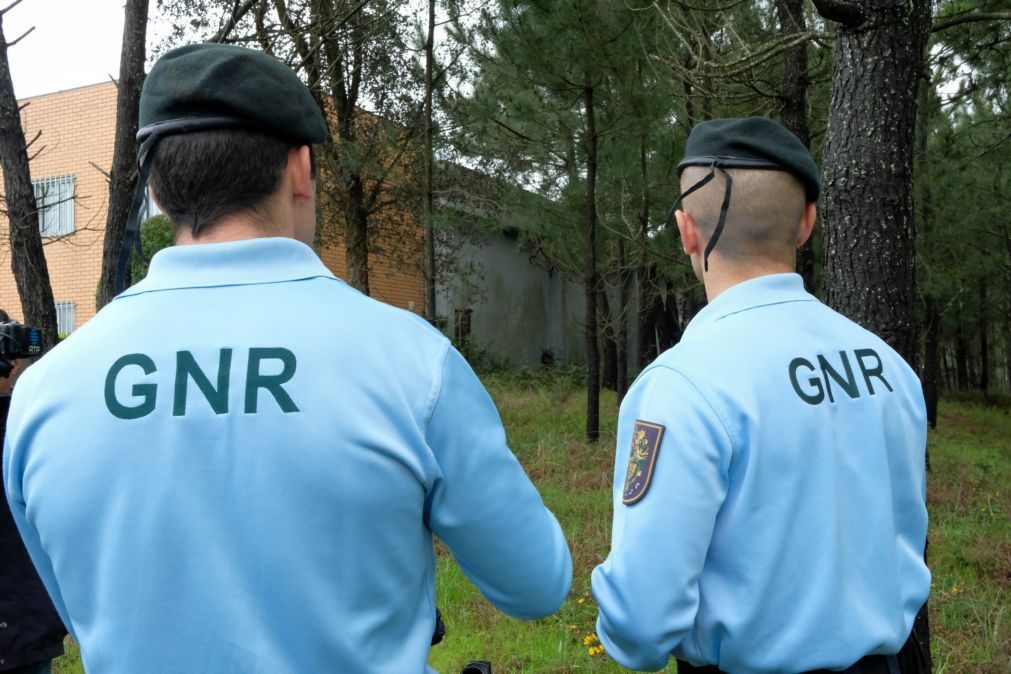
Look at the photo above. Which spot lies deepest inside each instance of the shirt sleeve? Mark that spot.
(14, 461)
(484, 507)
(647, 589)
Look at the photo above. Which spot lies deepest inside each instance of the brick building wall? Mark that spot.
(390, 280)
(78, 134)
(78, 127)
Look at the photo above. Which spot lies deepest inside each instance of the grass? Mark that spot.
(970, 551)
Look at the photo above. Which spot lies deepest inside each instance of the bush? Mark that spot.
(155, 234)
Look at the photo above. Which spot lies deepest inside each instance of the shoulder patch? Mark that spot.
(641, 459)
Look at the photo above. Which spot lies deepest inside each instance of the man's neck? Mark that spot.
(716, 281)
(231, 228)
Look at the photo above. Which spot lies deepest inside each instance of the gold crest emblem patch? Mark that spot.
(641, 460)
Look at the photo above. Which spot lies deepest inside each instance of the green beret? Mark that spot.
(205, 86)
(751, 142)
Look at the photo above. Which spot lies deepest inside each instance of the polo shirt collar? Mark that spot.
(246, 262)
(757, 292)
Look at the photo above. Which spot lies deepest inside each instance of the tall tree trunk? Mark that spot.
(608, 343)
(972, 365)
(794, 109)
(932, 360)
(868, 177)
(590, 270)
(984, 339)
(28, 262)
(961, 358)
(868, 199)
(123, 176)
(946, 375)
(1007, 342)
(428, 212)
(644, 281)
(624, 278)
(347, 67)
(356, 233)
(932, 313)
(1007, 310)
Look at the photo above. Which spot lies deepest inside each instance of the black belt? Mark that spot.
(871, 664)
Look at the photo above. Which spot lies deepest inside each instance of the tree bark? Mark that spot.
(932, 360)
(356, 232)
(346, 74)
(1007, 342)
(868, 176)
(868, 199)
(608, 342)
(428, 211)
(624, 278)
(961, 358)
(644, 282)
(932, 314)
(794, 108)
(123, 176)
(946, 376)
(28, 262)
(984, 339)
(590, 271)
(1007, 310)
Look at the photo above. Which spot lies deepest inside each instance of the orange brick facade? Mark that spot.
(78, 127)
(78, 131)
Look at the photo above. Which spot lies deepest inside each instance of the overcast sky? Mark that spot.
(75, 42)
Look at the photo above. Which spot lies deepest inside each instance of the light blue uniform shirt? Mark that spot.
(784, 525)
(239, 464)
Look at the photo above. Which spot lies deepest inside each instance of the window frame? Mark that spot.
(66, 310)
(62, 209)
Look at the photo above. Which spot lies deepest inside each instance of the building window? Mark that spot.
(55, 199)
(65, 317)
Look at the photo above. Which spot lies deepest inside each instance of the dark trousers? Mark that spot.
(44, 667)
(872, 664)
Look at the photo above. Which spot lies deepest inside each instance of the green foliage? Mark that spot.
(963, 186)
(155, 234)
(479, 357)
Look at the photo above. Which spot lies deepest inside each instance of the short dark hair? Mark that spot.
(4, 318)
(201, 177)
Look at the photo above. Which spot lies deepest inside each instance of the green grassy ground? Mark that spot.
(970, 506)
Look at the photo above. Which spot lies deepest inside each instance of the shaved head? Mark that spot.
(763, 217)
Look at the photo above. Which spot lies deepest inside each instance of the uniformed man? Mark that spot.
(769, 510)
(239, 464)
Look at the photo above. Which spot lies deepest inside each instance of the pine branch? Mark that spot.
(946, 22)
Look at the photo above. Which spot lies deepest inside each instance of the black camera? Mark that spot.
(17, 341)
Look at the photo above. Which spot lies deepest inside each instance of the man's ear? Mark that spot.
(300, 170)
(806, 224)
(689, 230)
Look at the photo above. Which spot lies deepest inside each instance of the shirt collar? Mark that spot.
(246, 262)
(757, 292)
